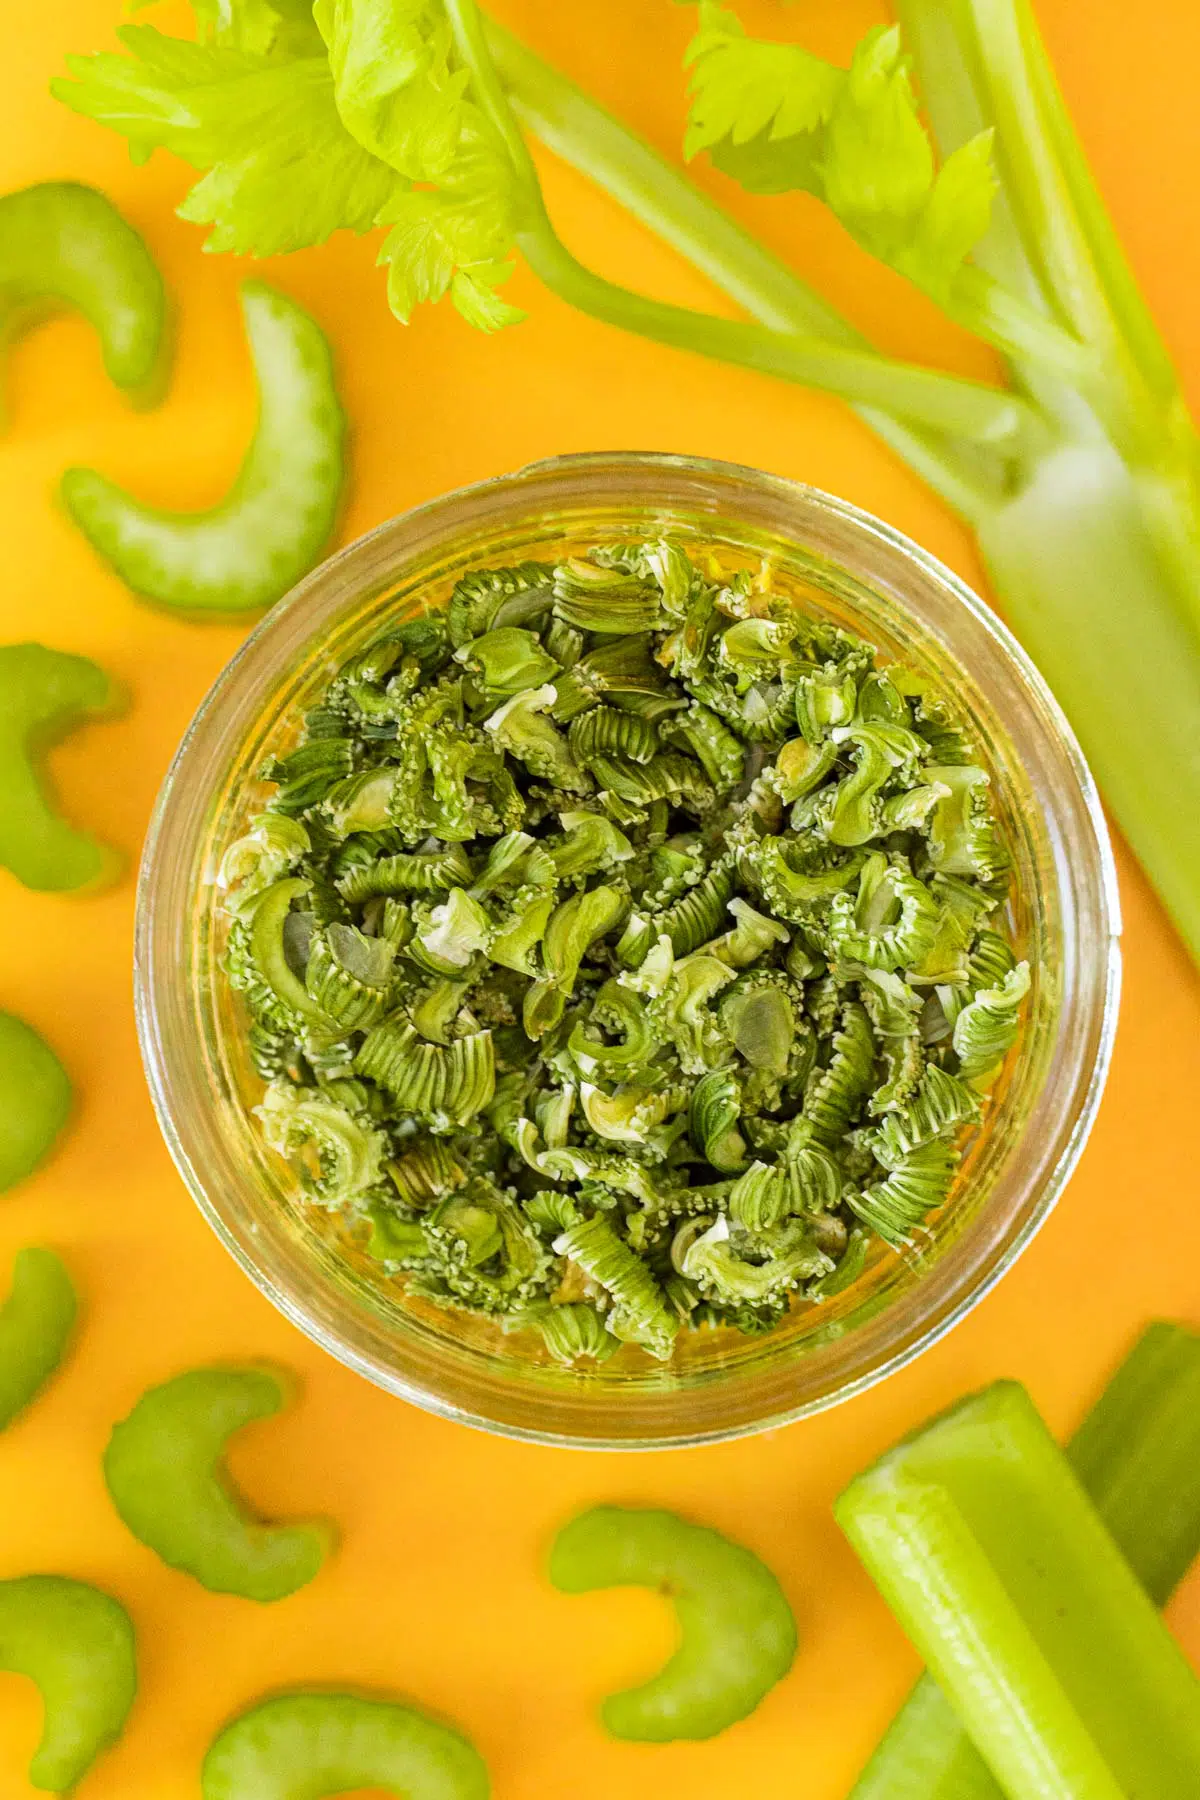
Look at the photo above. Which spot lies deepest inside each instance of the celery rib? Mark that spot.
(985, 1544)
(1138, 1455)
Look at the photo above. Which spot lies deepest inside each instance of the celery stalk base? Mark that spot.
(1085, 587)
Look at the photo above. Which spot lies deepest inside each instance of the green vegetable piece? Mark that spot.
(166, 1478)
(507, 660)
(266, 946)
(305, 1746)
(1138, 1455)
(35, 1100)
(280, 512)
(44, 695)
(63, 244)
(35, 1323)
(987, 1548)
(76, 1644)
(737, 1633)
(985, 1030)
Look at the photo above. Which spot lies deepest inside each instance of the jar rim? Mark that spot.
(802, 518)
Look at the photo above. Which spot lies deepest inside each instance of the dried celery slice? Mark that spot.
(35, 1323)
(985, 1545)
(76, 1644)
(737, 1633)
(166, 1478)
(1138, 1455)
(305, 1746)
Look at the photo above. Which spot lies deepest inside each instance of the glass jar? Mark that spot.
(1064, 915)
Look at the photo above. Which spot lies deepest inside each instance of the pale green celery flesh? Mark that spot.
(1138, 1455)
(987, 1548)
(1092, 599)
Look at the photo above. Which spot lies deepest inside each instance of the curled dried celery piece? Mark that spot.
(76, 1645)
(64, 244)
(280, 512)
(640, 1314)
(986, 1028)
(1138, 1455)
(737, 1633)
(35, 1324)
(306, 1746)
(35, 1100)
(44, 695)
(165, 1473)
(986, 1546)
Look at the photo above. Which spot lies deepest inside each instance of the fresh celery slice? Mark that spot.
(35, 1324)
(278, 516)
(44, 694)
(301, 1746)
(35, 1100)
(75, 1643)
(988, 1550)
(166, 1475)
(64, 244)
(737, 1636)
(1138, 1455)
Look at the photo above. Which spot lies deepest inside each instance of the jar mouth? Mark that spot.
(1065, 914)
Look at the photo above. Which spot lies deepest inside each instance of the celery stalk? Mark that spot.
(1097, 628)
(985, 1544)
(1138, 1455)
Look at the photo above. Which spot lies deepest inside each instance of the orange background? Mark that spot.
(437, 1590)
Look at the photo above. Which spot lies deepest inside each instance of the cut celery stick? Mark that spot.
(1138, 1455)
(985, 1545)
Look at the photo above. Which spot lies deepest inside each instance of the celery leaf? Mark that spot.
(455, 238)
(878, 162)
(473, 292)
(777, 119)
(955, 217)
(744, 89)
(282, 171)
(396, 91)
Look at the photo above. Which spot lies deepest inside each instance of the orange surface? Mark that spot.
(437, 1591)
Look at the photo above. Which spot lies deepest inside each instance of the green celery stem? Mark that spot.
(1097, 606)
(1138, 1455)
(990, 1553)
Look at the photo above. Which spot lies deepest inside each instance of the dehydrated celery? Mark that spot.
(622, 939)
